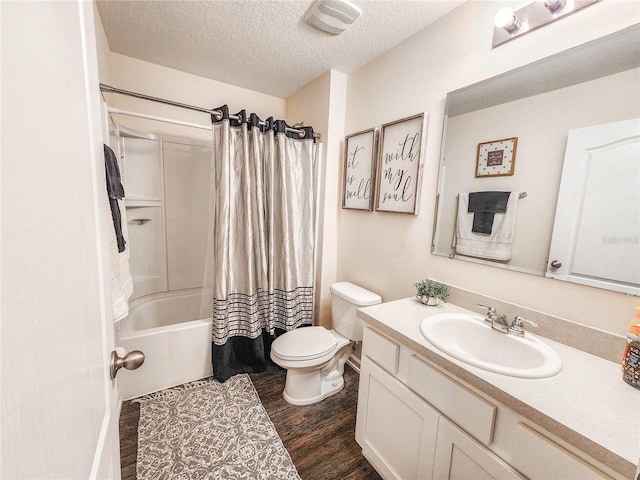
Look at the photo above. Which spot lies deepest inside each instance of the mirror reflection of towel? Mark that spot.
(484, 206)
(495, 246)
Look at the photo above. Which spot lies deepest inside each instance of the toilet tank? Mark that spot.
(346, 298)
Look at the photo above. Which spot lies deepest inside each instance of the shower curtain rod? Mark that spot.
(159, 119)
(216, 113)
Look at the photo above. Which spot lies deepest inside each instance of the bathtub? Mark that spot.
(176, 344)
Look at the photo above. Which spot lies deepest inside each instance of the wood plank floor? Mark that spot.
(319, 437)
(129, 417)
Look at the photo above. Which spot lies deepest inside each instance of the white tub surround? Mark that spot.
(176, 343)
(586, 410)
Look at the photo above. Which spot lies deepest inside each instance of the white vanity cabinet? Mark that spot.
(414, 421)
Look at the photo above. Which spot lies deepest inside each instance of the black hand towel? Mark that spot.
(484, 206)
(115, 191)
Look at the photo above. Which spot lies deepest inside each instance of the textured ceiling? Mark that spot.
(262, 45)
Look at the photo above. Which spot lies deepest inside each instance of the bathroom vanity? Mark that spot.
(424, 414)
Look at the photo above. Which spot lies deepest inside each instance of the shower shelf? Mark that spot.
(141, 202)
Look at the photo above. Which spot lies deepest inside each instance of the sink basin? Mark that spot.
(468, 339)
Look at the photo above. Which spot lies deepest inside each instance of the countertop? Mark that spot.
(587, 404)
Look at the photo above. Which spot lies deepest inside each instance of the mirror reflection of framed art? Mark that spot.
(497, 158)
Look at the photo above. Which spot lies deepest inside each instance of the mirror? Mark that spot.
(537, 105)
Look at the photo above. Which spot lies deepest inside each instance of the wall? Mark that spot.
(322, 104)
(103, 53)
(415, 76)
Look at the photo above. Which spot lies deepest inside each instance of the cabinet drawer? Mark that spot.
(469, 411)
(381, 350)
(540, 458)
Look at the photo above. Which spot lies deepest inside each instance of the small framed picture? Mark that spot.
(400, 165)
(497, 158)
(359, 169)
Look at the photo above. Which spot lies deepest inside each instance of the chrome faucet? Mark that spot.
(495, 321)
(516, 327)
(500, 323)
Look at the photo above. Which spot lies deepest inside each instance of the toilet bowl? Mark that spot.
(314, 356)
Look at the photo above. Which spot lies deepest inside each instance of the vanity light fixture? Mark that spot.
(509, 24)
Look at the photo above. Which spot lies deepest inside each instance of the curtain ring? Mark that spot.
(218, 115)
(302, 133)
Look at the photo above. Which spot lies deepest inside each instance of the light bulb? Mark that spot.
(554, 5)
(507, 20)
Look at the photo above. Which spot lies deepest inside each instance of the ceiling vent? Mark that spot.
(332, 16)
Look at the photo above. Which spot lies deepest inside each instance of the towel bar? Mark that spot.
(520, 195)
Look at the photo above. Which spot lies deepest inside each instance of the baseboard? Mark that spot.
(354, 362)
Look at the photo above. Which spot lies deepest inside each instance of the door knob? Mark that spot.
(556, 264)
(130, 361)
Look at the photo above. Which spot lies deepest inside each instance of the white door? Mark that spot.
(59, 407)
(597, 225)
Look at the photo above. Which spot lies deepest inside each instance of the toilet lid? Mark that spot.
(304, 343)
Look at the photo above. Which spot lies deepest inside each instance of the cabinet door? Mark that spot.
(459, 457)
(395, 428)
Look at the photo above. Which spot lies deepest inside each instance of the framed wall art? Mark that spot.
(400, 165)
(359, 169)
(496, 158)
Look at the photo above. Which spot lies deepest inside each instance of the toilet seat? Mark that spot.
(307, 343)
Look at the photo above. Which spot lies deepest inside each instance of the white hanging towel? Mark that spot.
(496, 245)
(121, 281)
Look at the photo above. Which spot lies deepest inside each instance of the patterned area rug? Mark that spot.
(209, 430)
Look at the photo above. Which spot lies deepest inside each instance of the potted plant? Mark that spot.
(431, 292)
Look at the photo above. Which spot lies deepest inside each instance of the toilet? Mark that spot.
(314, 356)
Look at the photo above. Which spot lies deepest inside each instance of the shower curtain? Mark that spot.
(260, 265)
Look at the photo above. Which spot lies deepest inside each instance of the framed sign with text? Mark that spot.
(400, 165)
(359, 169)
(497, 158)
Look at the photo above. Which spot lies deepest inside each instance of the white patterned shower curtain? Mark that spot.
(261, 243)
